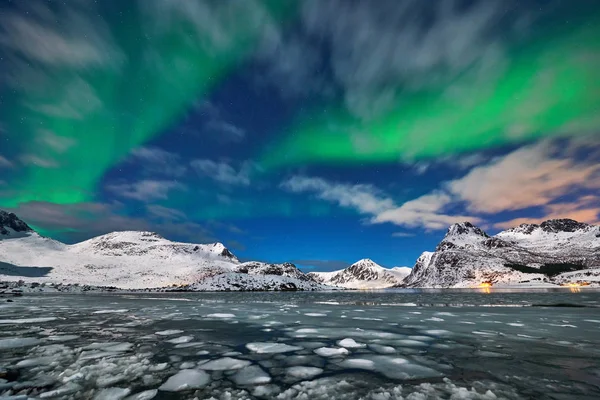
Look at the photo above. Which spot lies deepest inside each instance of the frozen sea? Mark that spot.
(347, 345)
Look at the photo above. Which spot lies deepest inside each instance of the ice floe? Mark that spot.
(267, 348)
(185, 380)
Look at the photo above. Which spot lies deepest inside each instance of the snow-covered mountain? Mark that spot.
(363, 274)
(130, 260)
(11, 225)
(556, 251)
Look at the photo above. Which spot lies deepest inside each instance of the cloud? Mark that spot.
(366, 199)
(5, 163)
(585, 209)
(158, 161)
(539, 175)
(376, 53)
(167, 213)
(76, 222)
(531, 176)
(223, 172)
(145, 190)
(49, 139)
(425, 212)
(217, 124)
(66, 36)
(32, 159)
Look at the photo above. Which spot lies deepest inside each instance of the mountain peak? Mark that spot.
(464, 228)
(366, 262)
(562, 225)
(10, 222)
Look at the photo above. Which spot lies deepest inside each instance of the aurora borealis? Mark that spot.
(319, 131)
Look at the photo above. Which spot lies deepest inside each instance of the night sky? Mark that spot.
(318, 132)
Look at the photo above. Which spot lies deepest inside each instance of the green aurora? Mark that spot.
(550, 87)
(116, 109)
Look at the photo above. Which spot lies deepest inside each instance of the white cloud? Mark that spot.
(223, 172)
(530, 176)
(145, 190)
(424, 212)
(158, 161)
(32, 159)
(48, 139)
(366, 199)
(65, 35)
(536, 175)
(165, 212)
(217, 124)
(5, 163)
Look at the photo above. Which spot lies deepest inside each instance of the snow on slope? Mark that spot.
(546, 253)
(364, 274)
(127, 260)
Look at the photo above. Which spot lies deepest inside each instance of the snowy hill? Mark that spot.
(364, 274)
(128, 260)
(554, 252)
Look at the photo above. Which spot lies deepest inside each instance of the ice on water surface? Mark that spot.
(217, 346)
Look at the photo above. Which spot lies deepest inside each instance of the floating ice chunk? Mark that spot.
(69, 388)
(62, 338)
(367, 319)
(437, 332)
(187, 365)
(33, 362)
(92, 355)
(515, 324)
(315, 314)
(110, 346)
(350, 344)
(218, 315)
(382, 349)
(410, 343)
(26, 320)
(169, 332)
(145, 395)
(331, 351)
(434, 319)
(301, 372)
(185, 380)
(181, 339)
(268, 348)
(358, 363)
(112, 394)
(252, 375)
(105, 381)
(225, 364)
(307, 330)
(12, 343)
(110, 311)
(189, 344)
(266, 391)
(490, 354)
(158, 367)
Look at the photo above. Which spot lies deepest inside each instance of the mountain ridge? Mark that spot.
(363, 274)
(468, 256)
(136, 260)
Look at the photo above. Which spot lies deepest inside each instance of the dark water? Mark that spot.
(394, 345)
